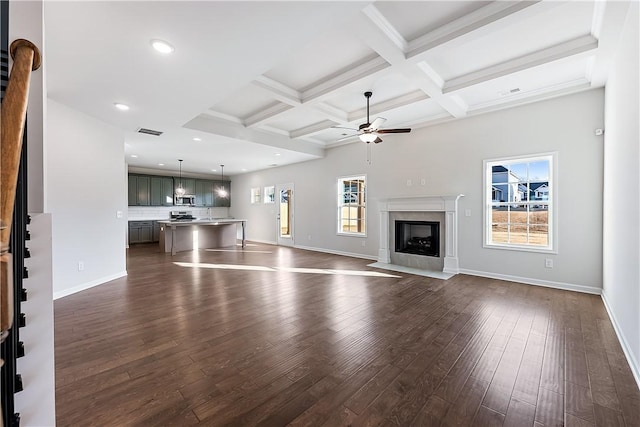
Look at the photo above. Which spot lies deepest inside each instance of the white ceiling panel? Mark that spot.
(414, 18)
(296, 119)
(244, 102)
(331, 53)
(561, 23)
(530, 82)
(384, 87)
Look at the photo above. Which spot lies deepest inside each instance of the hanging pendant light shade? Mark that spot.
(221, 190)
(180, 189)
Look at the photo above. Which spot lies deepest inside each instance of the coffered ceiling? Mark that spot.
(263, 83)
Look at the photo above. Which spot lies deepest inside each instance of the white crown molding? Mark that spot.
(579, 45)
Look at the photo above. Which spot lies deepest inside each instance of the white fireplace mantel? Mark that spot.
(446, 204)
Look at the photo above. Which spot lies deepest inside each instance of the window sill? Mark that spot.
(351, 234)
(521, 248)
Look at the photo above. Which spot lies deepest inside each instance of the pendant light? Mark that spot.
(180, 189)
(221, 191)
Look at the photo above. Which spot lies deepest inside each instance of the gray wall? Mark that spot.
(85, 174)
(621, 291)
(449, 158)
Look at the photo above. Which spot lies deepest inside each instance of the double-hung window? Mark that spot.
(520, 203)
(352, 205)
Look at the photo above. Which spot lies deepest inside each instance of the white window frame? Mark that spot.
(340, 204)
(552, 202)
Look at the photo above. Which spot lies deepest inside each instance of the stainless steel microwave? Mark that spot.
(185, 200)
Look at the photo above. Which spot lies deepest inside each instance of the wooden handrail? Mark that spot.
(26, 58)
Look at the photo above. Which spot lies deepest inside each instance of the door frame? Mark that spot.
(286, 241)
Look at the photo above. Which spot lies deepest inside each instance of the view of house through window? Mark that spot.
(352, 205)
(519, 204)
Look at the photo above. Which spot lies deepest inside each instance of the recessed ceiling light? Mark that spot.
(213, 170)
(277, 154)
(160, 164)
(121, 106)
(243, 170)
(162, 46)
(134, 155)
(197, 139)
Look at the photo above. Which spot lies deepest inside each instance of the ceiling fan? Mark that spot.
(370, 131)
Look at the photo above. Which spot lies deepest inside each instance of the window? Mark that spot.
(270, 194)
(519, 203)
(255, 195)
(352, 205)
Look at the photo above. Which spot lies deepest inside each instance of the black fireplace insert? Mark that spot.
(418, 237)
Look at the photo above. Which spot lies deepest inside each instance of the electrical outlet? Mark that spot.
(118, 214)
(309, 237)
(364, 243)
(80, 266)
(423, 181)
(548, 263)
(409, 183)
(467, 212)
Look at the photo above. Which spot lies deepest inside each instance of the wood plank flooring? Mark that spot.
(277, 336)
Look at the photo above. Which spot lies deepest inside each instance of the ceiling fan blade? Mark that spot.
(405, 130)
(377, 140)
(377, 123)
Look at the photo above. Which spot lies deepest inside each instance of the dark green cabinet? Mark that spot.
(189, 185)
(152, 190)
(139, 190)
(204, 193)
(161, 191)
(140, 232)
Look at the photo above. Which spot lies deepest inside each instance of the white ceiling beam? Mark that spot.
(206, 123)
(608, 18)
(332, 113)
(573, 47)
(311, 129)
(279, 91)
(467, 24)
(266, 114)
(374, 29)
(223, 116)
(353, 73)
(388, 105)
(527, 97)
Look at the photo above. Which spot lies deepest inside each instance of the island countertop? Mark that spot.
(203, 221)
(177, 236)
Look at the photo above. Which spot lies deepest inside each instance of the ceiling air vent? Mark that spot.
(149, 131)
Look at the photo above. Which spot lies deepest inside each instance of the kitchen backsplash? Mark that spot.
(162, 212)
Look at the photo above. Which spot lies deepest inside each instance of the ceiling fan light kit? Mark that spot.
(370, 131)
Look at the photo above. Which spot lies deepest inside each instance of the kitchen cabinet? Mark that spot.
(204, 193)
(161, 191)
(156, 232)
(221, 202)
(140, 232)
(189, 185)
(139, 190)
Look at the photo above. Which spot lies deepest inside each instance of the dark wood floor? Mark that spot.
(243, 340)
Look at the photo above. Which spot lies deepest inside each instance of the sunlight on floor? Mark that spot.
(285, 269)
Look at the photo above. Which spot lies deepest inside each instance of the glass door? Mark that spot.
(284, 195)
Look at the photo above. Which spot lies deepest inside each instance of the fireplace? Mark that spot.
(430, 209)
(418, 237)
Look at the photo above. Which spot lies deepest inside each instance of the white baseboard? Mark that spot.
(633, 362)
(83, 286)
(537, 282)
(331, 251)
(266, 242)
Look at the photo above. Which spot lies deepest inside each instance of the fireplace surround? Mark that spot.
(443, 209)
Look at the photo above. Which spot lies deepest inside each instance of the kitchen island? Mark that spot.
(178, 236)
